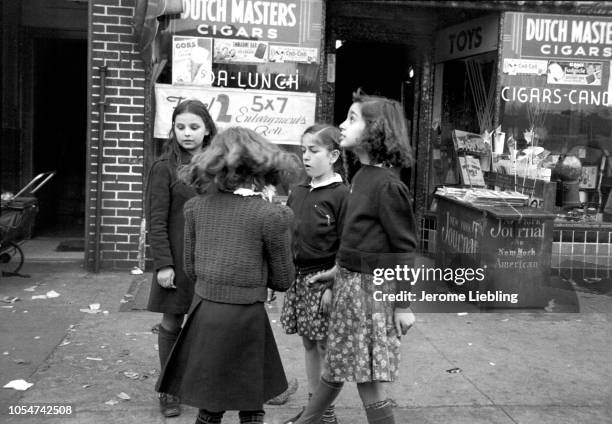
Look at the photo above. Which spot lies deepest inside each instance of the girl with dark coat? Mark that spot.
(171, 289)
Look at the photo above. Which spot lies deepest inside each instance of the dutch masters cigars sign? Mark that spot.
(559, 36)
(280, 116)
(295, 23)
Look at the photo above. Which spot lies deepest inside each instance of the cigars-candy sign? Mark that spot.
(280, 116)
(558, 60)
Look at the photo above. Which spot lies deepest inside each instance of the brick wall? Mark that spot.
(112, 43)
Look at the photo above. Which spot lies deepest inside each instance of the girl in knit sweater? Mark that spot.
(378, 233)
(171, 290)
(236, 246)
(319, 206)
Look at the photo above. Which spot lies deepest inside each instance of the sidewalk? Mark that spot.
(529, 367)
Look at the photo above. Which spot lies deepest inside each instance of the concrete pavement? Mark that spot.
(528, 367)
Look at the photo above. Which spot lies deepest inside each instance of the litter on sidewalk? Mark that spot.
(18, 385)
(49, 295)
(94, 308)
(9, 299)
(131, 374)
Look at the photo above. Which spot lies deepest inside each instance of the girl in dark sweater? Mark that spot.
(171, 290)
(237, 244)
(319, 206)
(379, 233)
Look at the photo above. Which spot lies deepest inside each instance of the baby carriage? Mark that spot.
(17, 222)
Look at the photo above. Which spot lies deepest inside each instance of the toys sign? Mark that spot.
(467, 39)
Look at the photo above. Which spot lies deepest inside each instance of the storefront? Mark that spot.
(281, 69)
(534, 71)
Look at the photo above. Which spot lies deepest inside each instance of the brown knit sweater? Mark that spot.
(237, 246)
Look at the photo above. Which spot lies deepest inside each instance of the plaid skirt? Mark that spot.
(225, 358)
(362, 343)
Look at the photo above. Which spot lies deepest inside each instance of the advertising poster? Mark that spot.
(280, 116)
(241, 51)
(293, 54)
(574, 73)
(471, 172)
(241, 48)
(467, 142)
(524, 67)
(577, 51)
(191, 60)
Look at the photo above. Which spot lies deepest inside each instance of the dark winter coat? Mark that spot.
(166, 197)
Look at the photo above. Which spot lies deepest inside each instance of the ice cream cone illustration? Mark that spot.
(192, 63)
(199, 57)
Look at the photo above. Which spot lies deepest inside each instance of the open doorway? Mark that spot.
(382, 69)
(60, 134)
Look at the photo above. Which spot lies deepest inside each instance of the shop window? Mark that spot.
(461, 108)
(555, 95)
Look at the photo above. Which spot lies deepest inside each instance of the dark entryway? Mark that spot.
(59, 133)
(382, 69)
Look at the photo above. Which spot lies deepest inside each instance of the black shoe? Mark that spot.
(169, 405)
(294, 419)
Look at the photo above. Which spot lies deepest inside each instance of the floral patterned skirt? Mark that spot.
(362, 343)
(300, 313)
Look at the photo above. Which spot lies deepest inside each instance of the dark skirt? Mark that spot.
(224, 359)
(171, 301)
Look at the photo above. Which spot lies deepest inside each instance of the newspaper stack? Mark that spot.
(485, 197)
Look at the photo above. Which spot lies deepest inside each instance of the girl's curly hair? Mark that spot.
(385, 137)
(237, 157)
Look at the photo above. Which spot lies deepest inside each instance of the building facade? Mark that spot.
(115, 57)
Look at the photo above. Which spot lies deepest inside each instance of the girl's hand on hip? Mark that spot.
(404, 320)
(326, 301)
(165, 277)
(330, 274)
